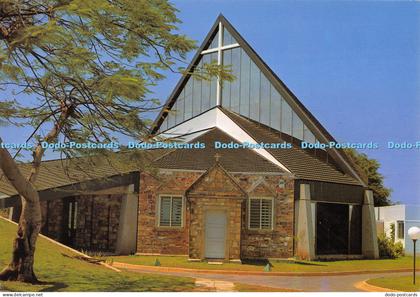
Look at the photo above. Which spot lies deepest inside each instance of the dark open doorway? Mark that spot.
(332, 228)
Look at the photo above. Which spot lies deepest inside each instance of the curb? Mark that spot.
(364, 286)
(241, 272)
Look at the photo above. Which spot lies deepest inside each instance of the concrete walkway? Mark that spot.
(336, 283)
(215, 285)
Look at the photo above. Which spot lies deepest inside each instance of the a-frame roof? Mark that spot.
(233, 160)
(304, 114)
(204, 187)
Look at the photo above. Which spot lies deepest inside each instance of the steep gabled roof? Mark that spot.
(233, 160)
(181, 83)
(301, 163)
(216, 181)
(313, 126)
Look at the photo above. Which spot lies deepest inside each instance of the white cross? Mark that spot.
(219, 50)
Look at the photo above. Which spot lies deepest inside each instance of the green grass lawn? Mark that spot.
(402, 283)
(64, 273)
(278, 266)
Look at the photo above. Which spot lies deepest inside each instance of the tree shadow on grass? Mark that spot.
(264, 262)
(309, 263)
(256, 262)
(55, 286)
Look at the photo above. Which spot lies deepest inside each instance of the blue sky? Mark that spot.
(354, 65)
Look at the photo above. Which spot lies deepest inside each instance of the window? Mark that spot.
(170, 211)
(261, 213)
(400, 229)
(72, 218)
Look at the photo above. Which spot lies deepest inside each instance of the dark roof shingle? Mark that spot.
(299, 162)
(60, 173)
(233, 160)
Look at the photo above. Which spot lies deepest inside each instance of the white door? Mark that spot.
(215, 234)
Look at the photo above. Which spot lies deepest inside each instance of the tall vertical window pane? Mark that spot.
(265, 100)
(286, 118)
(188, 99)
(400, 229)
(227, 37)
(244, 84)
(196, 95)
(235, 85)
(205, 84)
(171, 118)
(179, 117)
(214, 43)
(275, 109)
(297, 127)
(227, 60)
(308, 136)
(175, 111)
(254, 94)
(213, 83)
(164, 125)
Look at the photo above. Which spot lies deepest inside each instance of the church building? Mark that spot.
(244, 200)
(244, 189)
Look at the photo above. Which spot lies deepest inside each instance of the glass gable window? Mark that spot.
(197, 96)
(250, 94)
(170, 211)
(261, 213)
(228, 38)
(215, 41)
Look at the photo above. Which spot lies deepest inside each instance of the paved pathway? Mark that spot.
(345, 283)
(215, 285)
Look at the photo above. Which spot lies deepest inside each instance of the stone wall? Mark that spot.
(52, 219)
(215, 192)
(153, 239)
(276, 243)
(97, 221)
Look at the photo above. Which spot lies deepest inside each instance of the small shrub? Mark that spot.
(399, 249)
(392, 229)
(157, 262)
(388, 249)
(110, 261)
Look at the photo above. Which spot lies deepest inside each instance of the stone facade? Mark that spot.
(216, 190)
(97, 221)
(97, 225)
(278, 242)
(52, 218)
(153, 239)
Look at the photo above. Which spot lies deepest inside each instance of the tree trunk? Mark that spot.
(21, 266)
